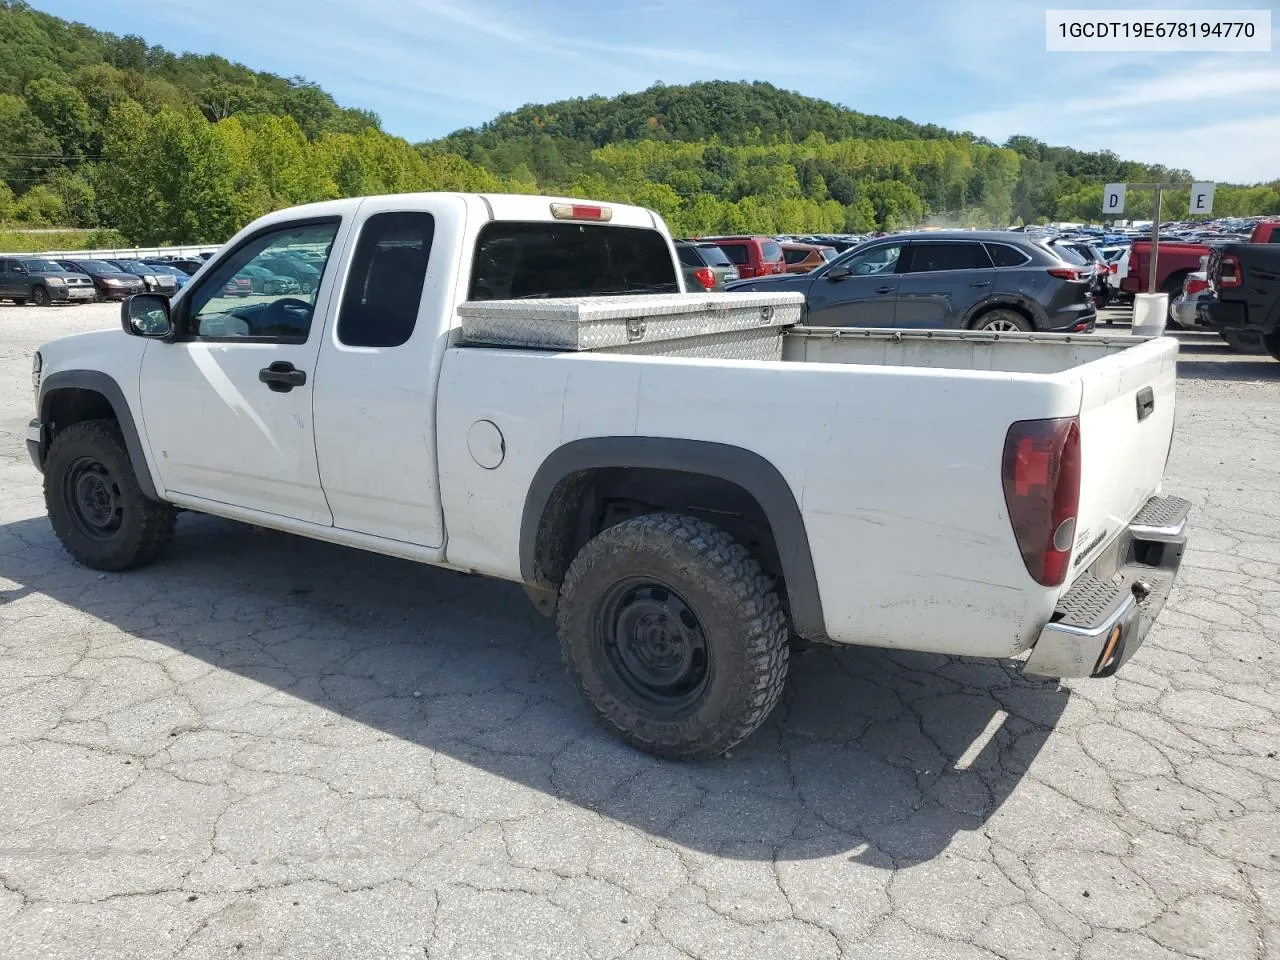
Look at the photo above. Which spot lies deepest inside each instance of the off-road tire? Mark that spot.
(1002, 316)
(739, 617)
(145, 526)
(40, 297)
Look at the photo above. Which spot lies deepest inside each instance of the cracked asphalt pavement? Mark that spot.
(263, 746)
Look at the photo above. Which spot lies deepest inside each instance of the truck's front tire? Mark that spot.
(674, 634)
(98, 510)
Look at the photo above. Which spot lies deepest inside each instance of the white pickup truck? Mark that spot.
(687, 491)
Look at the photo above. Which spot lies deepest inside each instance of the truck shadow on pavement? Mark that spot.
(883, 758)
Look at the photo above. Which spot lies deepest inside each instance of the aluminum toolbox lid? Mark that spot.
(587, 309)
(578, 323)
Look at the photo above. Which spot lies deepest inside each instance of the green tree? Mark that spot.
(63, 111)
(895, 204)
(167, 179)
(40, 207)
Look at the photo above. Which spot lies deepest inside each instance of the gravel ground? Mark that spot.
(268, 747)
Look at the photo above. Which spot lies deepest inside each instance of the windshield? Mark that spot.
(521, 260)
(98, 266)
(42, 266)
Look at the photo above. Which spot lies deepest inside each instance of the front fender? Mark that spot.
(97, 382)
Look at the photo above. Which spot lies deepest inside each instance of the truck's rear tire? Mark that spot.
(98, 510)
(674, 634)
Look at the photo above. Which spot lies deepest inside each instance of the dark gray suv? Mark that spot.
(944, 280)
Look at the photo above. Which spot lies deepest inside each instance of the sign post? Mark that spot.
(1113, 197)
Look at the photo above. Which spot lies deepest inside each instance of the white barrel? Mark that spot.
(1150, 314)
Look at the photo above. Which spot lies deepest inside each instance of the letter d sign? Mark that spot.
(1202, 198)
(1113, 198)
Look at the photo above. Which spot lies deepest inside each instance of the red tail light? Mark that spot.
(1066, 273)
(1115, 268)
(1195, 285)
(705, 276)
(1042, 491)
(1228, 272)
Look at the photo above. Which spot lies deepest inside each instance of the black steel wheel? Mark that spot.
(654, 643)
(98, 510)
(93, 498)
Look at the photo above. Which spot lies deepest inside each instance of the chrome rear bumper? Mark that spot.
(1102, 620)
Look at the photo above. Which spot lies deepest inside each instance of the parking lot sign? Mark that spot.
(1113, 198)
(1202, 198)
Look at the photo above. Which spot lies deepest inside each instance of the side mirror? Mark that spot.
(19, 268)
(146, 315)
(838, 273)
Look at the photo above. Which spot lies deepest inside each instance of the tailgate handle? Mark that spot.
(1146, 403)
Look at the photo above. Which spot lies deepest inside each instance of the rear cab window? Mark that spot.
(522, 260)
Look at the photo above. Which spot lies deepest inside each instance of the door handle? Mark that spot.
(884, 289)
(980, 283)
(282, 376)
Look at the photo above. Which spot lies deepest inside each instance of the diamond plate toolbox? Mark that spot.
(596, 323)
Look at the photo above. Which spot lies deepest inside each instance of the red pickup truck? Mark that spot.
(1176, 260)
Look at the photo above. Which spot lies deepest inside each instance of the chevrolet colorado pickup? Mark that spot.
(687, 482)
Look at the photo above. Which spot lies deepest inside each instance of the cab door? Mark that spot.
(228, 407)
(375, 395)
(859, 290)
(940, 281)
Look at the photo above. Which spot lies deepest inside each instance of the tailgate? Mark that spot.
(1126, 428)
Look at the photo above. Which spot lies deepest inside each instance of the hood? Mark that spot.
(60, 272)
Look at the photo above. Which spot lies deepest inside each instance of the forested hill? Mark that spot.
(103, 130)
(99, 130)
(736, 114)
(751, 153)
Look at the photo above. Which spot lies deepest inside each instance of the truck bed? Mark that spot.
(951, 349)
(891, 443)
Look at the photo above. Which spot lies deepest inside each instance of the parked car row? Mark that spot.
(996, 281)
(42, 281)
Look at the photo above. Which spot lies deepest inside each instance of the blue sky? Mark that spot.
(431, 66)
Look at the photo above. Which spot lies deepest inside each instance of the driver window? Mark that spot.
(267, 288)
(879, 260)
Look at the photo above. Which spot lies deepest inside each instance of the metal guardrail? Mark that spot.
(119, 253)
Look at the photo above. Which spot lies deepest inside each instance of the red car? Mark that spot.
(753, 256)
(1177, 260)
